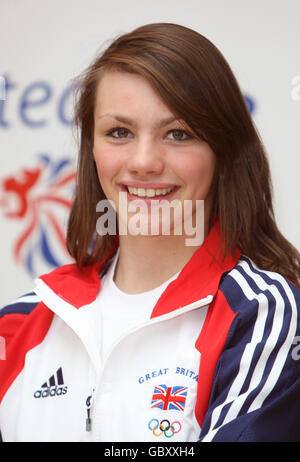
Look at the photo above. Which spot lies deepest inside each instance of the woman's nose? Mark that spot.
(145, 158)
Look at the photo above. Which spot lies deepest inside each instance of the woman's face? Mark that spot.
(142, 150)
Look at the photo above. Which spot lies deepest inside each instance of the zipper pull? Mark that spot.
(88, 420)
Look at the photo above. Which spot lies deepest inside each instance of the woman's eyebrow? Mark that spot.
(128, 121)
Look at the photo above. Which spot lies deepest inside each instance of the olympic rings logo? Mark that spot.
(164, 427)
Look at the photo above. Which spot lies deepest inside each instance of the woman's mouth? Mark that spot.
(149, 192)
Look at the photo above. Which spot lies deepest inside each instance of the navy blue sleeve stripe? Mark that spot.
(271, 278)
(26, 298)
(23, 305)
(272, 337)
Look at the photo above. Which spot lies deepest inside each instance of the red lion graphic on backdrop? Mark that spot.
(40, 197)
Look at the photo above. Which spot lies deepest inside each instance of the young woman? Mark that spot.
(149, 336)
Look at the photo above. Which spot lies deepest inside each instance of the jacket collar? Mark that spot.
(199, 278)
(77, 285)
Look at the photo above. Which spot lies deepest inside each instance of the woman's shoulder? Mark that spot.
(247, 281)
(25, 303)
(14, 313)
(265, 303)
(22, 305)
(13, 317)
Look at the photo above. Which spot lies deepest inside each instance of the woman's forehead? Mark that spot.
(126, 94)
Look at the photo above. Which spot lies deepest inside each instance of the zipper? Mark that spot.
(158, 319)
(89, 403)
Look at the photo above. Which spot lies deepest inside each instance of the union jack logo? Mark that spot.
(169, 398)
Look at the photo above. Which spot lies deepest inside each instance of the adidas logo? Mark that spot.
(54, 386)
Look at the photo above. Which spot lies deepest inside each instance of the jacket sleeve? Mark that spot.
(12, 317)
(256, 386)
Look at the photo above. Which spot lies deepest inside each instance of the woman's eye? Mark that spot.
(178, 135)
(119, 132)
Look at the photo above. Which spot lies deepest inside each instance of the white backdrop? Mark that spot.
(45, 44)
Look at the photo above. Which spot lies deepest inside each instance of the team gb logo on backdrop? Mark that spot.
(39, 197)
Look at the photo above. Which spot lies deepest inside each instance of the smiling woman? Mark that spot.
(192, 83)
(152, 338)
(148, 154)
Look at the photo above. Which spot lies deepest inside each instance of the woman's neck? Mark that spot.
(147, 262)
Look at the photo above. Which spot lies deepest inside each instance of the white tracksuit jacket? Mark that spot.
(216, 361)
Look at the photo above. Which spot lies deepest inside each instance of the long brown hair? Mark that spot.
(196, 83)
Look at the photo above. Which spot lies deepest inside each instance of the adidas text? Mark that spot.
(53, 391)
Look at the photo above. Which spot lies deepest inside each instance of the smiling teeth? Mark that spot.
(141, 192)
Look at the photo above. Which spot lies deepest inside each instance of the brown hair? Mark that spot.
(195, 81)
